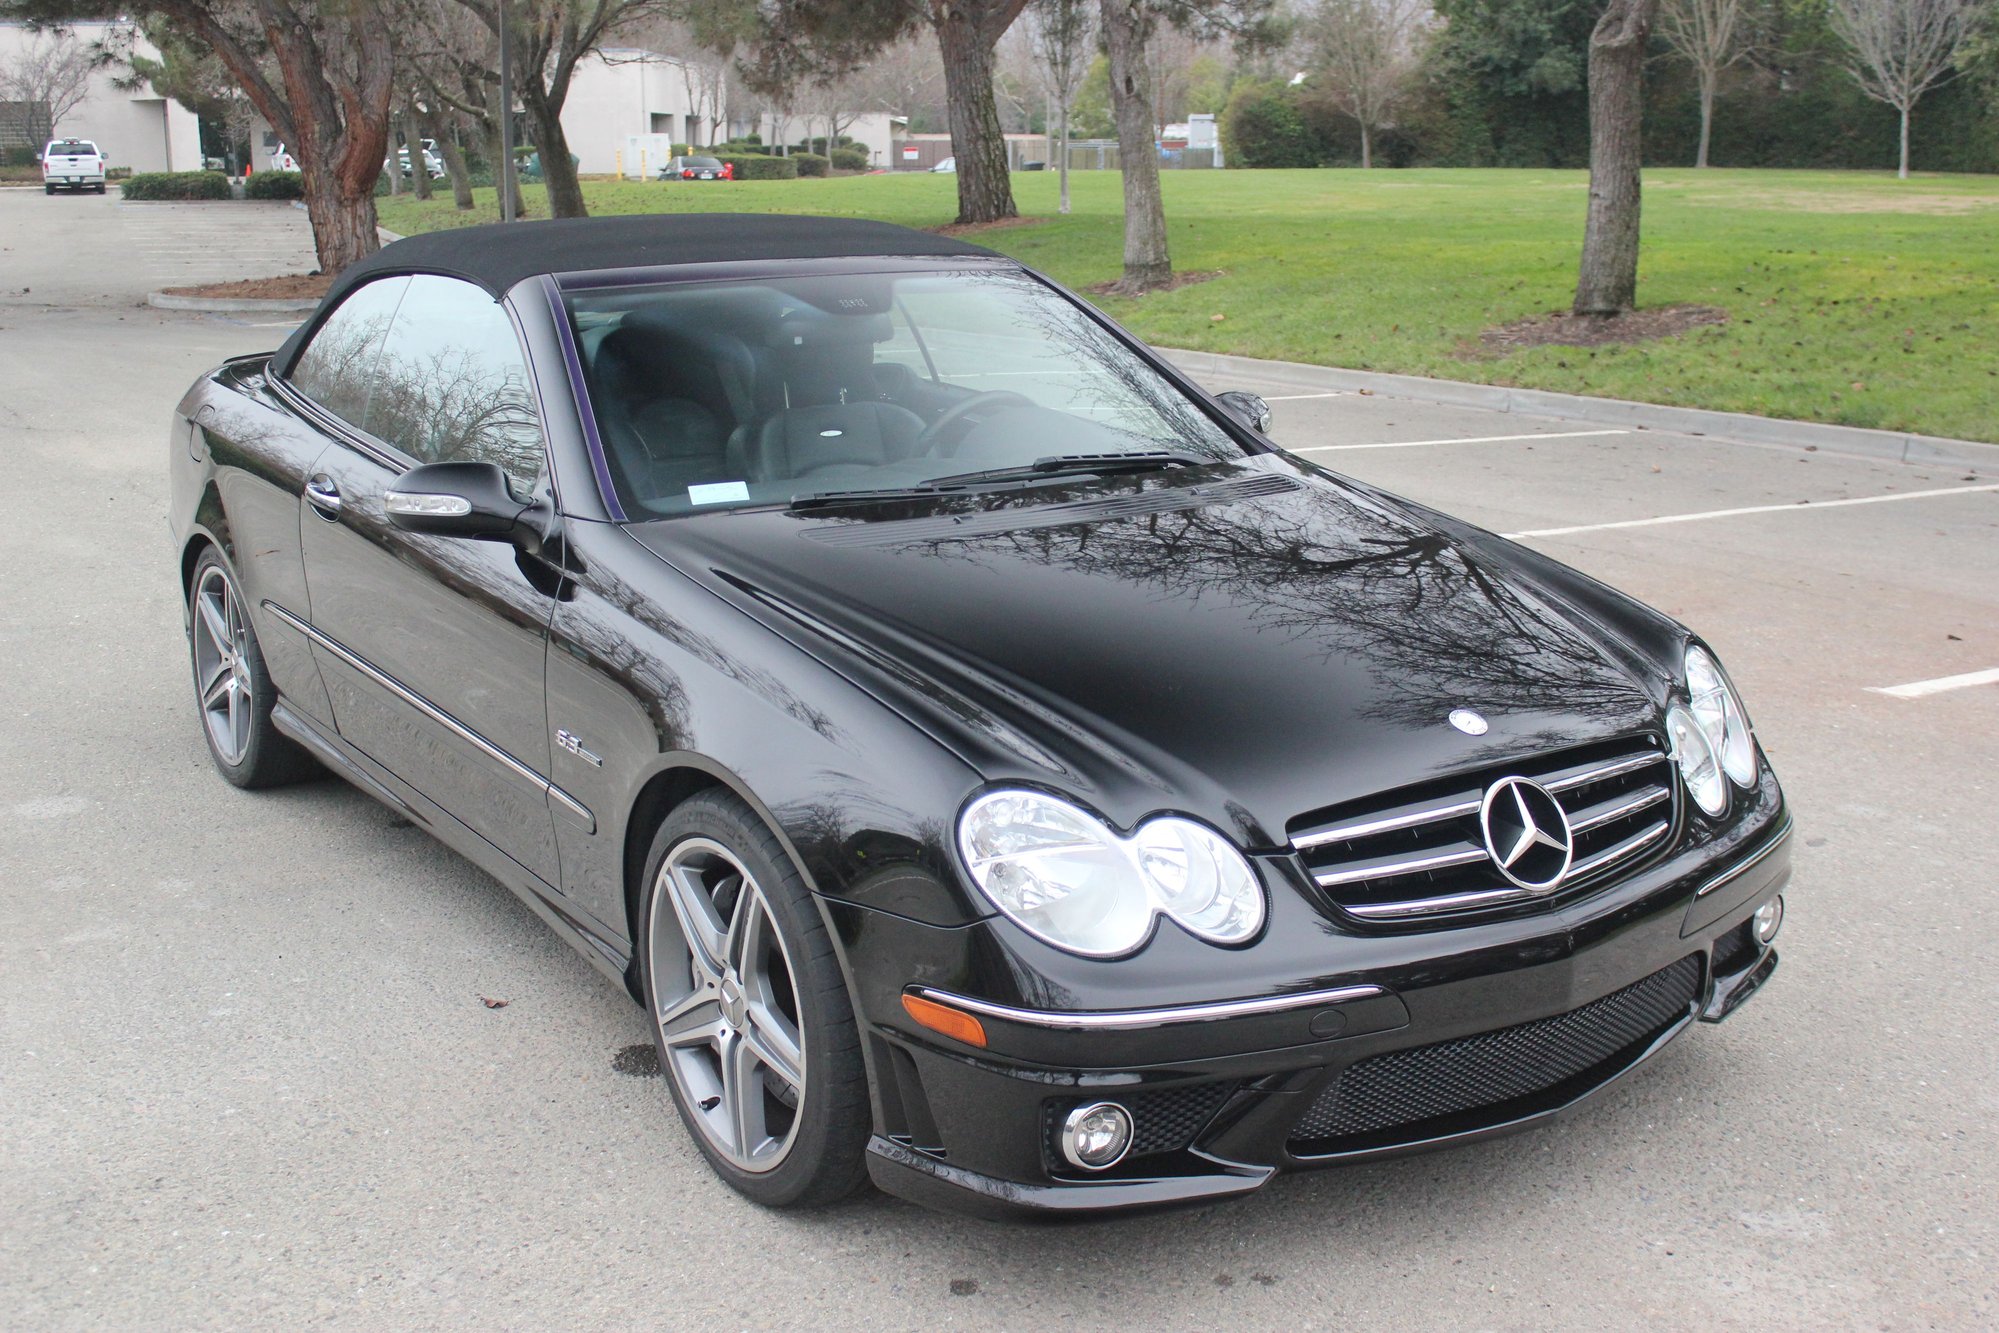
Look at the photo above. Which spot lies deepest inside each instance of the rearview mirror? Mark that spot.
(1247, 408)
(455, 500)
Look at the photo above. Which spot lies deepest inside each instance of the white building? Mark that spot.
(626, 102)
(140, 129)
(625, 91)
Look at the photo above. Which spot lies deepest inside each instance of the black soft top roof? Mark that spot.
(499, 255)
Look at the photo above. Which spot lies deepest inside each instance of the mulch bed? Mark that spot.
(974, 228)
(1181, 278)
(1560, 328)
(291, 287)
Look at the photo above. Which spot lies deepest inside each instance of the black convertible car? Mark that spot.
(996, 767)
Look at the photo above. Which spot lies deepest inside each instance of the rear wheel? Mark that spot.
(755, 1032)
(48, 189)
(232, 688)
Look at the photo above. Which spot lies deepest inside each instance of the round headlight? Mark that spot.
(1699, 768)
(1065, 877)
(1721, 718)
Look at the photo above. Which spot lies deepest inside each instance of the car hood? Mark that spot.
(1246, 642)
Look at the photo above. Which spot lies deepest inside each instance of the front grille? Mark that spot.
(1404, 1089)
(1419, 851)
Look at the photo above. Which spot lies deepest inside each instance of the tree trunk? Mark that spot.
(1707, 116)
(1146, 262)
(558, 173)
(496, 154)
(985, 189)
(344, 228)
(1607, 283)
(1903, 172)
(419, 160)
(1065, 155)
(1366, 146)
(454, 160)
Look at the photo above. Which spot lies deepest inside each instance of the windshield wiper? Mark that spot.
(1056, 465)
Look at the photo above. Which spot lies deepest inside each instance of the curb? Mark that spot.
(1894, 446)
(226, 304)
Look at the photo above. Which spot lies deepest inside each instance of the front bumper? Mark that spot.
(1477, 1044)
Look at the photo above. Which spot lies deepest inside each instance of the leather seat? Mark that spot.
(830, 442)
(660, 437)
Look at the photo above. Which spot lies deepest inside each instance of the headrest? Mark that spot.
(800, 329)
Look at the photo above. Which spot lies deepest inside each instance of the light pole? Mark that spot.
(505, 176)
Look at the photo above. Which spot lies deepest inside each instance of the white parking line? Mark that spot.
(1474, 439)
(1802, 506)
(1295, 397)
(1920, 688)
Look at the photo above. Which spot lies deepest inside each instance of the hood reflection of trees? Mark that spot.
(1431, 618)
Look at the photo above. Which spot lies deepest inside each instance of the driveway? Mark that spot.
(249, 1076)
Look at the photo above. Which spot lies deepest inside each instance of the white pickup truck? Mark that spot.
(72, 164)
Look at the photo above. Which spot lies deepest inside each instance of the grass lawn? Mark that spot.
(1852, 297)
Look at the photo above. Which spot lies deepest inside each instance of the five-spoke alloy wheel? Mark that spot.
(755, 1032)
(232, 688)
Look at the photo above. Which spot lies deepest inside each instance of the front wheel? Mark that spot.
(232, 687)
(755, 1032)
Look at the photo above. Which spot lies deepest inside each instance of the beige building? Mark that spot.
(140, 129)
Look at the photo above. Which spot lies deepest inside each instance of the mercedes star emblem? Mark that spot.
(1470, 723)
(1527, 834)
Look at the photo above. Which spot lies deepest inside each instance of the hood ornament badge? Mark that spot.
(1470, 723)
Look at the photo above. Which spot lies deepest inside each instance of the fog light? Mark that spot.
(1769, 919)
(1096, 1137)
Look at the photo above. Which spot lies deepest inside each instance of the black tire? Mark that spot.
(267, 757)
(100, 187)
(824, 1158)
(48, 189)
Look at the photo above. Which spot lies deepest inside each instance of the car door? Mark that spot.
(433, 648)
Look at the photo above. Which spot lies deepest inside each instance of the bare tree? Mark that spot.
(1607, 281)
(786, 45)
(1900, 49)
(1127, 27)
(1061, 32)
(1366, 51)
(1710, 35)
(52, 76)
(549, 38)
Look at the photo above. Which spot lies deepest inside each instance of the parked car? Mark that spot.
(997, 769)
(433, 165)
(695, 167)
(72, 164)
(282, 160)
(948, 165)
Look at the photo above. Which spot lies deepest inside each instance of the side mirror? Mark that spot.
(456, 500)
(1247, 408)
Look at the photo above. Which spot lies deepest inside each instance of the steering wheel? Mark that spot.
(934, 432)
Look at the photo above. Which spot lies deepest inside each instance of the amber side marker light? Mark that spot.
(940, 1018)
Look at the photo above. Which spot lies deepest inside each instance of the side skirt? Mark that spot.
(608, 956)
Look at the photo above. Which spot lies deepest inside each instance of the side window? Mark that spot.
(452, 383)
(337, 368)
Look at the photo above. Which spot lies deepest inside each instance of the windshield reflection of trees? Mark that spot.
(1430, 618)
(1130, 395)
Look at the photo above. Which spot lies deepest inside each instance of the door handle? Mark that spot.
(323, 495)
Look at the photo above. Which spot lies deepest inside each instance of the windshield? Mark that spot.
(716, 395)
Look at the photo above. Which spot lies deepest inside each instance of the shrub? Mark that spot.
(21, 155)
(274, 185)
(1263, 126)
(811, 164)
(752, 168)
(850, 159)
(177, 185)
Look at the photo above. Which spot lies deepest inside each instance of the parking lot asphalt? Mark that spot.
(248, 1077)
